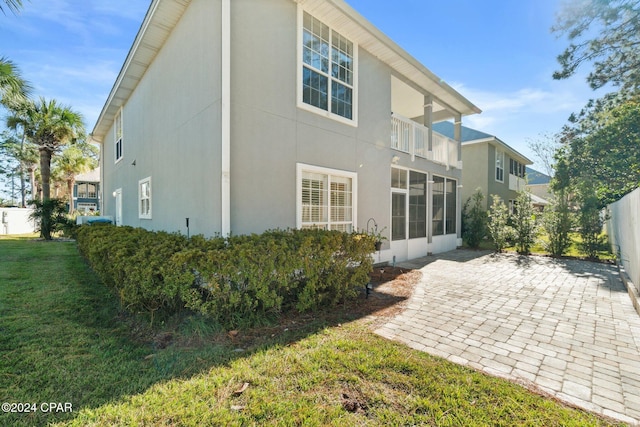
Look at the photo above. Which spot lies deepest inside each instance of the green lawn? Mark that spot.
(63, 339)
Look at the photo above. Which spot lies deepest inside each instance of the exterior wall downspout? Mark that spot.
(457, 136)
(225, 155)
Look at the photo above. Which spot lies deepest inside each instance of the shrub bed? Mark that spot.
(239, 281)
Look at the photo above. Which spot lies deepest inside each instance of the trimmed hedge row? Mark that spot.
(240, 280)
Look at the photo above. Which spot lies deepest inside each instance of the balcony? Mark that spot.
(413, 138)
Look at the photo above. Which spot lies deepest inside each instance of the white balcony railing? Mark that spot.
(413, 138)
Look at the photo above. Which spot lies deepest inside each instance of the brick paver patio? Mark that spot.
(566, 327)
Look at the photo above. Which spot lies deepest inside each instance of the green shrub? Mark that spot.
(50, 216)
(498, 225)
(474, 219)
(525, 227)
(557, 222)
(238, 281)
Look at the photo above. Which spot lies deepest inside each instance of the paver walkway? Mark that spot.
(566, 327)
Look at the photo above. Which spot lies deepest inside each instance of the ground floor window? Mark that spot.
(444, 201)
(144, 197)
(326, 198)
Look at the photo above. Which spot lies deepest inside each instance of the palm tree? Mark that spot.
(50, 125)
(13, 88)
(73, 161)
(17, 121)
(13, 5)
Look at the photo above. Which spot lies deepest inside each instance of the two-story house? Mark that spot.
(86, 192)
(247, 115)
(490, 164)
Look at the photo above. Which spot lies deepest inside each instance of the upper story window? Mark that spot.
(328, 70)
(499, 165)
(118, 135)
(86, 190)
(516, 168)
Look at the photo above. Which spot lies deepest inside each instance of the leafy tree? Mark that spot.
(608, 155)
(557, 222)
(525, 228)
(498, 225)
(545, 148)
(75, 160)
(590, 219)
(606, 35)
(474, 219)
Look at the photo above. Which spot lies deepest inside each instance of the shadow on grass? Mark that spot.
(64, 338)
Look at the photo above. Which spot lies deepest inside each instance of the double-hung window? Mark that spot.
(328, 70)
(118, 136)
(144, 198)
(326, 198)
(499, 165)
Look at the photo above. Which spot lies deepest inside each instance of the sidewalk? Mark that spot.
(565, 327)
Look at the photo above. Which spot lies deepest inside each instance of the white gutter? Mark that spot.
(225, 154)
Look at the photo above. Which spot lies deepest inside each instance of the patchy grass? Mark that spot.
(63, 339)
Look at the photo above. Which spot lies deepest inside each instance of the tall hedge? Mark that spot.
(238, 281)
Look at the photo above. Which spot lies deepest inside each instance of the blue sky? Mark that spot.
(500, 54)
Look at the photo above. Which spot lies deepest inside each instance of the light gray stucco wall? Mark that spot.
(475, 172)
(171, 128)
(271, 134)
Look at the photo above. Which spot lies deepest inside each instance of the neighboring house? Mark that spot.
(538, 185)
(86, 192)
(244, 116)
(489, 164)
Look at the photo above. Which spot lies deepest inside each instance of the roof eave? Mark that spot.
(158, 23)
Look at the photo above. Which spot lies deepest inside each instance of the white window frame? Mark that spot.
(300, 64)
(147, 214)
(117, 141)
(301, 168)
(500, 156)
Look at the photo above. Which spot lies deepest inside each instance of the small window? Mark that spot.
(499, 166)
(144, 196)
(82, 191)
(118, 136)
(398, 178)
(91, 191)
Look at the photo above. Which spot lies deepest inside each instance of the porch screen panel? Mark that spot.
(451, 200)
(417, 205)
(398, 216)
(438, 206)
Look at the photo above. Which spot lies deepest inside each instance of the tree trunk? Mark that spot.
(23, 185)
(45, 172)
(34, 184)
(70, 183)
